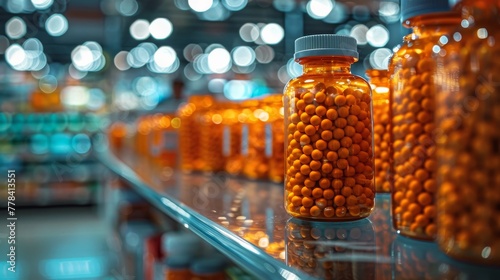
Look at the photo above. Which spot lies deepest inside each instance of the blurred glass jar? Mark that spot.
(379, 81)
(331, 250)
(264, 148)
(144, 127)
(232, 139)
(412, 113)
(189, 132)
(116, 135)
(468, 139)
(328, 121)
(164, 140)
(211, 138)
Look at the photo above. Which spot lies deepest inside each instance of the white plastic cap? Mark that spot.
(325, 44)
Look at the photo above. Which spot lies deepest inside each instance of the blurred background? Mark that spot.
(70, 69)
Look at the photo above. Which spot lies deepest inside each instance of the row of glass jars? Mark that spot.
(238, 138)
(430, 136)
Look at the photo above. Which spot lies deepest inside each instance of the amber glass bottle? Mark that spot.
(412, 113)
(189, 132)
(468, 138)
(263, 141)
(379, 82)
(232, 137)
(328, 121)
(275, 137)
(211, 133)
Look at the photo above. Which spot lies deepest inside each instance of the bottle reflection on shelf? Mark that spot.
(415, 259)
(343, 250)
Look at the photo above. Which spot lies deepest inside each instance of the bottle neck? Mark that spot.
(327, 64)
(431, 25)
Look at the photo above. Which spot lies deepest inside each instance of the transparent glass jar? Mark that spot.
(211, 142)
(189, 131)
(275, 137)
(379, 81)
(412, 113)
(327, 250)
(328, 122)
(264, 146)
(231, 140)
(468, 138)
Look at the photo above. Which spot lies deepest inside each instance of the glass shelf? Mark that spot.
(245, 220)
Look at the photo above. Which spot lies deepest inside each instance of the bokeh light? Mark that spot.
(42, 4)
(235, 5)
(272, 33)
(139, 29)
(15, 28)
(379, 58)
(160, 28)
(243, 56)
(219, 60)
(359, 33)
(377, 36)
(56, 25)
(200, 6)
(249, 32)
(319, 9)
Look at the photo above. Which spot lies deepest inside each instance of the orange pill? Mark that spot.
(338, 133)
(324, 183)
(340, 122)
(337, 184)
(304, 139)
(352, 120)
(307, 201)
(308, 98)
(317, 192)
(301, 127)
(431, 230)
(355, 110)
(328, 193)
(315, 211)
(320, 96)
(357, 190)
(327, 135)
(350, 131)
(305, 191)
(315, 120)
(320, 110)
(310, 109)
(340, 100)
(309, 183)
(343, 152)
(341, 211)
(424, 198)
(343, 112)
(342, 163)
(321, 203)
(315, 165)
(305, 169)
(305, 118)
(350, 99)
(304, 211)
(337, 173)
(317, 154)
(351, 200)
(326, 124)
(346, 142)
(332, 114)
(339, 200)
(326, 167)
(354, 210)
(333, 145)
(297, 201)
(346, 191)
(332, 156)
(329, 212)
(301, 105)
(307, 149)
(321, 144)
(310, 130)
(314, 175)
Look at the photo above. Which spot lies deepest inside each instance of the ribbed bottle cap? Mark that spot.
(325, 44)
(412, 8)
